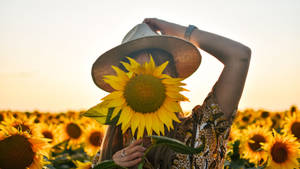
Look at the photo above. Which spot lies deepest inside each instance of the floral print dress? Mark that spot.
(206, 125)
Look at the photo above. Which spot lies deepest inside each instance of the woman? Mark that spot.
(211, 121)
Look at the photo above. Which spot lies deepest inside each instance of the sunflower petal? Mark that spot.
(114, 84)
(141, 127)
(113, 95)
(155, 123)
(162, 115)
(116, 102)
(134, 123)
(148, 119)
(177, 96)
(158, 70)
(133, 62)
(121, 74)
(115, 112)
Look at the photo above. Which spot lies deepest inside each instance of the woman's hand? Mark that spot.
(131, 155)
(166, 28)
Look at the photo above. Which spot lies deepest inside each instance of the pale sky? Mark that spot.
(47, 48)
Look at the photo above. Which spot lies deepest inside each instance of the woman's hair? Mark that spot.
(114, 140)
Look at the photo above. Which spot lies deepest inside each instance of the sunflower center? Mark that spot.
(1, 117)
(96, 138)
(245, 119)
(279, 152)
(296, 129)
(265, 114)
(255, 146)
(36, 120)
(48, 134)
(16, 152)
(145, 93)
(73, 130)
(22, 127)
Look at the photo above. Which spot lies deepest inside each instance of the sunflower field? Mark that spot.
(258, 139)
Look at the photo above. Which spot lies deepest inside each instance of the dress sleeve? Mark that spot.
(206, 126)
(212, 129)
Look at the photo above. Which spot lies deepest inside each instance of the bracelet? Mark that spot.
(188, 32)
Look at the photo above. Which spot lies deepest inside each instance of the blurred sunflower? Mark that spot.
(244, 118)
(81, 165)
(251, 141)
(235, 133)
(292, 126)
(18, 149)
(24, 124)
(51, 132)
(283, 151)
(93, 138)
(72, 131)
(2, 116)
(147, 98)
(277, 119)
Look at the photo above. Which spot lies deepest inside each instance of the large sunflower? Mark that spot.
(283, 151)
(251, 147)
(147, 98)
(19, 149)
(292, 126)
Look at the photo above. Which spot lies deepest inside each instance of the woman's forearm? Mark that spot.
(225, 50)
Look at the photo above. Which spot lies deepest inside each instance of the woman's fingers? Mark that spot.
(153, 23)
(135, 142)
(130, 155)
(131, 150)
(130, 163)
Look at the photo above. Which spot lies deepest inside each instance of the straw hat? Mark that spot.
(187, 57)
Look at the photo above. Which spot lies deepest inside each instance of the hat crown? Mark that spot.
(139, 31)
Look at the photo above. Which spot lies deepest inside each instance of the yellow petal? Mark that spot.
(151, 64)
(113, 95)
(177, 96)
(125, 115)
(134, 123)
(129, 67)
(155, 123)
(148, 119)
(158, 71)
(121, 74)
(116, 102)
(126, 122)
(173, 116)
(141, 127)
(115, 112)
(115, 85)
(173, 88)
(133, 62)
(172, 106)
(162, 115)
(174, 81)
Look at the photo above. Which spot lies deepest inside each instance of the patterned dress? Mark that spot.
(206, 125)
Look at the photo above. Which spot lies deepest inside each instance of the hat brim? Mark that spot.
(187, 57)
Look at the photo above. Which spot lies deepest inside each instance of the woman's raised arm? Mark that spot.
(234, 55)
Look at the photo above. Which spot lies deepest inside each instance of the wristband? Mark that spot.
(188, 32)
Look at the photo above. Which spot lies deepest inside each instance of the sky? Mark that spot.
(47, 48)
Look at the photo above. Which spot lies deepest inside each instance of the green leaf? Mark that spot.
(102, 115)
(107, 164)
(177, 146)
